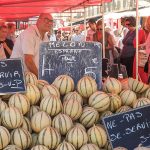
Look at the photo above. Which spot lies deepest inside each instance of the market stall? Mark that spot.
(65, 109)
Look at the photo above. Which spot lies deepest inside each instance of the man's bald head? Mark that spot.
(45, 22)
(43, 15)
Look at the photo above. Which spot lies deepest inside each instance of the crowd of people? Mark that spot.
(118, 43)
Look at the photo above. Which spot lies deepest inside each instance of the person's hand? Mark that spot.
(5, 45)
(7, 48)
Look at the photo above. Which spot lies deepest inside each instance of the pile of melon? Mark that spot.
(60, 116)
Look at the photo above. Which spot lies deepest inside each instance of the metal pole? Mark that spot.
(84, 24)
(71, 21)
(137, 41)
(60, 29)
(103, 26)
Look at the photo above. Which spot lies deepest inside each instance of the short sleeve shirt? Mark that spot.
(79, 38)
(28, 42)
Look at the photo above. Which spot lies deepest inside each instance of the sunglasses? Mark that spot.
(128, 24)
(47, 20)
(99, 29)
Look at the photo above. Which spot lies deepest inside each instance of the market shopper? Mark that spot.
(142, 37)
(128, 51)
(109, 42)
(6, 45)
(148, 38)
(28, 42)
(92, 30)
(59, 36)
(78, 36)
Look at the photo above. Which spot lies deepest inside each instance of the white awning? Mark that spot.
(142, 12)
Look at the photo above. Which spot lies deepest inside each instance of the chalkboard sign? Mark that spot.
(129, 129)
(11, 76)
(75, 59)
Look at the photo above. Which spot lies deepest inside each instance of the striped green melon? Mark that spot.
(65, 146)
(146, 94)
(77, 137)
(76, 124)
(30, 78)
(72, 108)
(128, 97)
(89, 147)
(12, 118)
(33, 110)
(3, 106)
(62, 123)
(34, 140)
(41, 84)
(48, 90)
(32, 93)
(112, 85)
(73, 95)
(39, 147)
(105, 114)
(141, 102)
(26, 124)
(49, 137)
(97, 135)
(115, 102)
(64, 83)
(123, 109)
(51, 104)
(137, 86)
(21, 137)
(12, 147)
(86, 86)
(89, 117)
(4, 137)
(40, 120)
(99, 100)
(19, 101)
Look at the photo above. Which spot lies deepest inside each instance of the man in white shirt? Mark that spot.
(28, 42)
(78, 36)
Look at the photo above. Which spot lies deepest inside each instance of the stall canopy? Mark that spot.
(23, 9)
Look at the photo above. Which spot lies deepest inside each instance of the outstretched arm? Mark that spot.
(30, 64)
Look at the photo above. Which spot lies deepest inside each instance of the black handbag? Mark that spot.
(146, 67)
